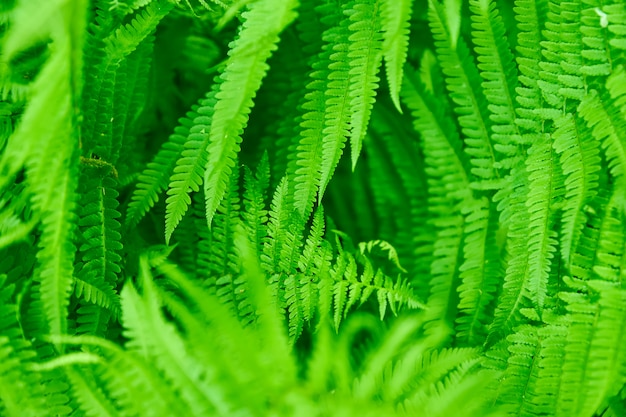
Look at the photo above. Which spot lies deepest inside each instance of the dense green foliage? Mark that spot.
(182, 233)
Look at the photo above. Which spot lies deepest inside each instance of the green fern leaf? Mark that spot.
(497, 69)
(255, 189)
(545, 187)
(160, 341)
(127, 37)
(395, 25)
(580, 161)
(463, 84)
(187, 175)
(245, 68)
(154, 178)
(100, 250)
(449, 185)
(365, 55)
(480, 273)
(332, 73)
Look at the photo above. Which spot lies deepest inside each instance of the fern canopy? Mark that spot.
(184, 232)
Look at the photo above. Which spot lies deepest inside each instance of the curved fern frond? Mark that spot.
(607, 126)
(127, 37)
(245, 68)
(187, 175)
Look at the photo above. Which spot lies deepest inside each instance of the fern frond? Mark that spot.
(161, 342)
(328, 104)
(596, 59)
(545, 188)
(351, 288)
(561, 82)
(531, 380)
(463, 83)
(480, 274)
(607, 127)
(365, 55)
(580, 161)
(187, 175)
(245, 68)
(395, 27)
(134, 385)
(282, 246)
(593, 367)
(88, 393)
(231, 289)
(56, 254)
(448, 179)
(154, 178)
(609, 256)
(301, 289)
(20, 388)
(255, 215)
(15, 385)
(498, 71)
(100, 232)
(99, 293)
(127, 37)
